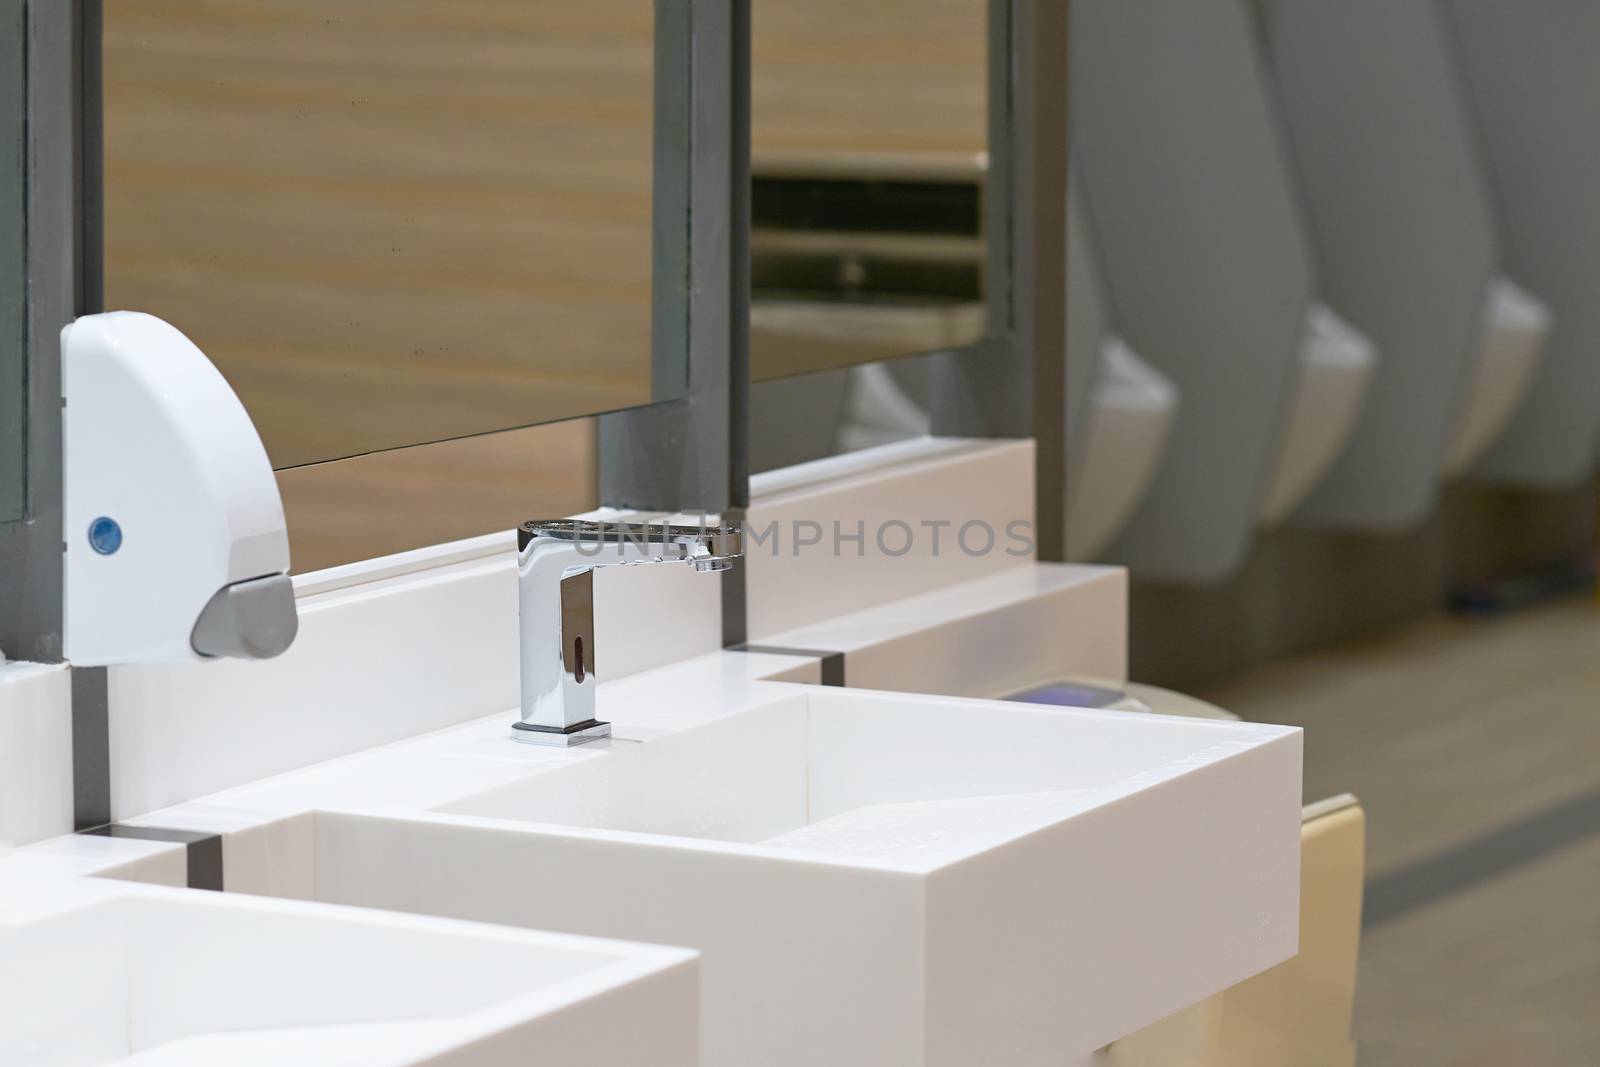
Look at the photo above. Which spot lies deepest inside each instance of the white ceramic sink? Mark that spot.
(880, 878)
(162, 977)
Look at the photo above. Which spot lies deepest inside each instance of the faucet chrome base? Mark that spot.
(560, 737)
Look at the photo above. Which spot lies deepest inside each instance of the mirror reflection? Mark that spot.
(401, 222)
(868, 138)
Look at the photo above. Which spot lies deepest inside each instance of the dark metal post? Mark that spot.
(56, 101)
(1039, 284)
(690, 454)
(1016, 385)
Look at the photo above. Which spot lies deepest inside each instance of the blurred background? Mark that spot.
(1333, 312)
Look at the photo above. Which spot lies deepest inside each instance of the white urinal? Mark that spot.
(1130, 415)
(1336, 364)
(1516, 326)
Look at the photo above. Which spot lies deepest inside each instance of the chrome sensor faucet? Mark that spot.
(556, 561)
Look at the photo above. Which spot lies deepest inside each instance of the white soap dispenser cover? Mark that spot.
(176, 547)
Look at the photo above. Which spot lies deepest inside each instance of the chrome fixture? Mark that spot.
(556, 561)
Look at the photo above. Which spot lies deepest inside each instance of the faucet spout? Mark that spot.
(556, 561)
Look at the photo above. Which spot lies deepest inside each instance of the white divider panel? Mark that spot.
(1535, 88)
(1205, 260)
(35, 752)
(924, 510)
(1404, 232)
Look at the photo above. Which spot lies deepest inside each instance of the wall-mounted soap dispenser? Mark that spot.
(176, 547)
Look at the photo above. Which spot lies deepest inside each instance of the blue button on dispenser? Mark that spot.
(105, 536)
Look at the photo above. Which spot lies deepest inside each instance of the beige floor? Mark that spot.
(1449, 731)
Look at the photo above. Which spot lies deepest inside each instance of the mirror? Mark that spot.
(869, 126)
(404, 222)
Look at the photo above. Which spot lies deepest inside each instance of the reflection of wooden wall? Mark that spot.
(903, 79)
(387, 222)
(416, 219)
(411, 497)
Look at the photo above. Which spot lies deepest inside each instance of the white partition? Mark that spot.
(1404, 230)
(1534, 85)
(1206, 264)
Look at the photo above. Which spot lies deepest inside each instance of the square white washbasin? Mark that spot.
(878, 878)
(165, 978)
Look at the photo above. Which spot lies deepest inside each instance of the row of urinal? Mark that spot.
(1294, 229)
(1131, 406)
(1243, 170)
